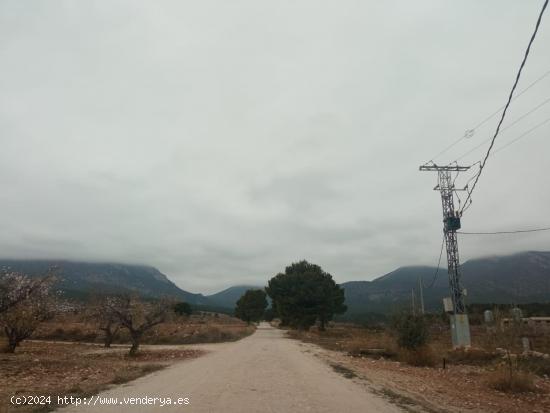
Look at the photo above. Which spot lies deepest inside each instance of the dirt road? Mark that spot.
(265, 372)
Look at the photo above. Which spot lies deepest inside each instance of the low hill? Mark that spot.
(228, 297)
(80, 279)
(518, 278)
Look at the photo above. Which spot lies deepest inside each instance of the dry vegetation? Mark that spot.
(42, 368)
(198, 328)
(477, 379)
(69, 359)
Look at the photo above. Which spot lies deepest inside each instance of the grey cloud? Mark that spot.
(220, 141)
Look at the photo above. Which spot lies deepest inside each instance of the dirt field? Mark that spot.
(70, 359)
(41, 368)
(461, 387)
(198, 328)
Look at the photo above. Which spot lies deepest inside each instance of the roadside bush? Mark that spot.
(376, 344)
(519, 382)
(183, 309)
(537, 365)
(420, 357)
(68, 334)
(473, 356)
(411, 330)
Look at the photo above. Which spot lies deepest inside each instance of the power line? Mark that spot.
(540, 105)
(482, 165)
(496, 112)
(544, 122)
(468, 133)
(438, 264)
(450, 146)
(520, 231)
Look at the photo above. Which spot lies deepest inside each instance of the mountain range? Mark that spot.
(512, 279)
(80, 279)
(517, 278)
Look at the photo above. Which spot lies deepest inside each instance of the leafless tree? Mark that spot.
(507, 335)
(21, 319)
(101, 314)
(138, 316)
(16, 287)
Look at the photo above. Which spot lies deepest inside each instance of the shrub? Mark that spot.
(518, 382)
(538, 365)
(411, 330)
(125, 375)
(473, 356)
(421, 357)
(183, 309)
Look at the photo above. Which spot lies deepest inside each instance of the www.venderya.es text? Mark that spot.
(100, 401)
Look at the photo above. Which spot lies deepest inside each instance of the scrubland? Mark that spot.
(484, 378)
(66, 355)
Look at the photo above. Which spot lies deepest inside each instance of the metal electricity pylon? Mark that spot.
(460, 328)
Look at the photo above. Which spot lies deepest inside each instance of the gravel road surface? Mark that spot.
(264, 372)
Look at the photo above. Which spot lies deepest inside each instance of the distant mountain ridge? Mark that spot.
(518, 278)
(228, 298)
(79, 279)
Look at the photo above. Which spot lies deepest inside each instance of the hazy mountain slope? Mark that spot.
(517, 278)
(81, 278)
(228, 297)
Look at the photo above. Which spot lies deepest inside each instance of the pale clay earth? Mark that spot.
(264, 372)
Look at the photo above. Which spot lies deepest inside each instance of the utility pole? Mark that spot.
(421, 286)
(412, 302)
(460, 328)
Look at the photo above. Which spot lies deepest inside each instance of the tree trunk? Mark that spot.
(12, 341)
(322, 324)
(108, 338)
(136, 337)
(10, 348)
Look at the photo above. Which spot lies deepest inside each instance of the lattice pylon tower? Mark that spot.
(460, 328)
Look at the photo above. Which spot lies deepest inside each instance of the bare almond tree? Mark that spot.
(138, 316)
(100, 313)
(21, 319)
(16, 287)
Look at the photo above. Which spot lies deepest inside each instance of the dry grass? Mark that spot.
(536, 365)
(351, 339)
(377, 343)
(421, 357)
(174, 333)
(472, 356)
(69, 368)
(359, 341)
(39, 368)
(205, 328)
(472, 380)
(126, 375)
(516, 382)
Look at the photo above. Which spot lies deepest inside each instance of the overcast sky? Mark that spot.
(222, 140)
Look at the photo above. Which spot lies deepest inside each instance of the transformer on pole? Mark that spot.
(460, 328)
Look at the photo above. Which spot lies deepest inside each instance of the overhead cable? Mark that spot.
(518, 75)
